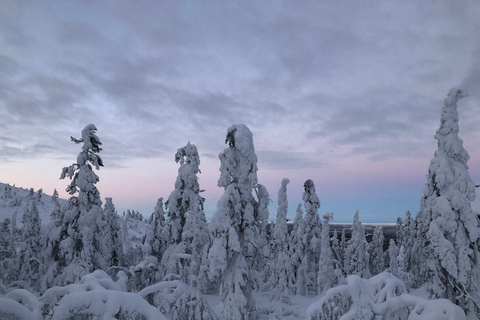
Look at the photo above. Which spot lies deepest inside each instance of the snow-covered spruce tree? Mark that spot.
(185, 203)
(338, 257)
(327, 277)
(234, 215)
(195, 237)
(54, 195)
(392, 258)
(50, 245)
(258, 249)
(447, 229)
(157, 223)
(112, 234)
(186, 194)
(29, 257)
(405, 267)
(311, 237)
(377, 256)
(82, 246)
(356, 253)
(280, 260)
(400, 234)
(297, 252)
(8, 269)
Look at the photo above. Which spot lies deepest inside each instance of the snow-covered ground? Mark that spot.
(17, 202)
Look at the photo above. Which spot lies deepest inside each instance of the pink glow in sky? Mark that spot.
(344, 94)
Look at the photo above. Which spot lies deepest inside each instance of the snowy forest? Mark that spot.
(88, 262)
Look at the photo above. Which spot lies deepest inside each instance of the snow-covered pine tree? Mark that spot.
(448, 231)
(281, 265)
(393, 258)
(326, 270)
(55, 195)
(400, 231)
(356, 253)
(405, 251)
(7, 253)
(338, 257)
(50, 245)
(185, 203)
(7, 192)
(296, 252)
(311, 237)
(112, 234)
(235, 213)
(186, 196)
(157, 224)
(29, 256)
(82, 246)
(258, 250)
(377, 256)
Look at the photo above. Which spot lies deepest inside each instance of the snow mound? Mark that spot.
(382, 296)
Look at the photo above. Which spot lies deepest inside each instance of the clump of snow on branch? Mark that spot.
(383, 296)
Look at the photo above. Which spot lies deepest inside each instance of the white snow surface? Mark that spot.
(18, 202)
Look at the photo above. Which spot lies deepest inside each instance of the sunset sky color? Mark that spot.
(346, 93)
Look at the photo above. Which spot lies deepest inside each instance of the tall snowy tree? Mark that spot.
(186, 196)
(82, 246)
(186, 226)
(157, 224)
(234, 215)
(393, 258)
(311, 237)
(281, 265)
(296, 253)
(326, 270)
(356, 253)
(29, 257)
(258, 251)
(377, 256)
(112, 234)
(448, 231)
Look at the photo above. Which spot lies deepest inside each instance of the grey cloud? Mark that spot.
(278, 159)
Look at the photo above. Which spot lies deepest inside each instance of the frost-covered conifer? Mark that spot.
(186, 196)
(448, 231)
(234, 215)
(7, 192)
(296, 253)
(281, 265)
(82, 246)
(55, 195)
(157, 224)
(7, 253)
(400, 230)
(51, 237)
(338, 257)
(113, 234)
(392, 257)
(311, 237)
(356, 253)
(258, 250)
(377, 257)
(186, 227)
(326, 270)
(29, 256)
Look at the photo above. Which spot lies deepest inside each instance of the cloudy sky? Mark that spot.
(346, 93)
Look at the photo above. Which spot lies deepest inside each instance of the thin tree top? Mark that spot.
(89, 139)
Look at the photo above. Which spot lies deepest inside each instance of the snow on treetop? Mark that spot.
(240, 137)
(458, 93)
(89, 138)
